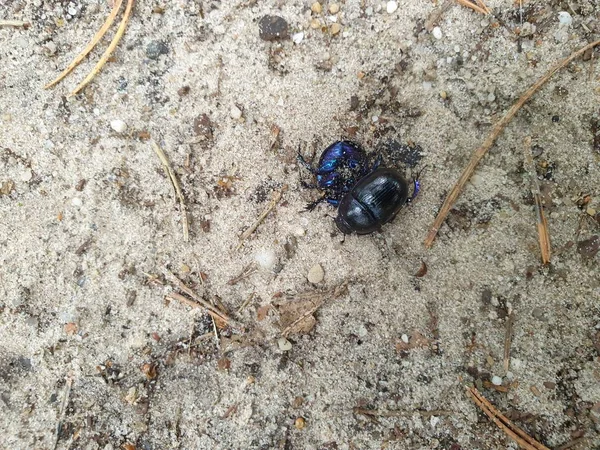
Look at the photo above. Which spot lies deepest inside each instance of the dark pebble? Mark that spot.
(272, 28)
(549, 384)
(589, 247)
(155, 49)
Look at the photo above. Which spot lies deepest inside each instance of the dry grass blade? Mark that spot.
(63, 408)
(481, 151)
(13, 23)
(276, 197)
(99, 35)
(508, 340)
(514, 432)
(482, 10)
(177, 187)
(108, 51)
(542, 224)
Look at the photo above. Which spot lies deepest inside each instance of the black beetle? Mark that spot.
(370, 202)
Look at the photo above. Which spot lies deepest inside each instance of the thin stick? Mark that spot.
(194, 304)
(108, 51)
(13, 23)
(181, 285)
(99, 35)
(542, 224)
(177, 187)
(63, 408)
(481, 151)
(508, 340)
(483, 6)
(473, 6)
(509, 428)
(276, 197)
(246, 303)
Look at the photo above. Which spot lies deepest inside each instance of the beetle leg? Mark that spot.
(416, 185)
(303, 162)
(312, 205)
(305, 185)
(332, 201)
(377, 162)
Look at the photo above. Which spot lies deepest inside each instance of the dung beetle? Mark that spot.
(367, 196)
(341, 165)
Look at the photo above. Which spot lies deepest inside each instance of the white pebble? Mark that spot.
(299, 231)
(284, 344)
(235, 113)
(362, 331)
(316, 274)
(437, 33)
(297, 37)
(434, 421)
(27, 175)
(391, 7)
(564, 18)
(266, 258)
(404, 338)
(77, 202)
(496, 380)
(118, 125)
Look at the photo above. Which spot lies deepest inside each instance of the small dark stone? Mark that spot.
(272, 28)
(183, 91)
(131, 296)
(588, 248)
(587, 55)
(537, 151)
(203, 127)
(539, 314)
(80, 184)
(549, 384)
(354, 103)
(555, 119)
(155, 49)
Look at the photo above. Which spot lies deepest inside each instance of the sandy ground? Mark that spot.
(90, 228)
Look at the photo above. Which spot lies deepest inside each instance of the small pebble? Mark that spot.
(155, 49)
(564, 18)
(27, 175)
(118, 125)
(316, 8)
(404, 338)
(297, 37)
(496, 380)
(235, 113)
(316, 274)
(315, 24)
(300, 423)
(266, 258)
(334, 8)
(437, 33)
(391, 7)
(335, 28)
(77, 202)
(284, 345)
(591, 211)
(588, 248)
(272, 28)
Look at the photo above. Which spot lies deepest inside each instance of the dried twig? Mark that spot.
(13, 23)
(108, 51)
(508, 340)
(197, 300)
(542, 224)
(63, 408)
(481, 151)
(194, 304)
(479, 7)
(510, 429)
(276, 197)
(99, 35)
(177, 187)
(245, 273)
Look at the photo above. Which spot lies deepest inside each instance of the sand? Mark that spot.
(90, 228)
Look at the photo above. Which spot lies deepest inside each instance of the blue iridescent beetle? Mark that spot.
(366, 195)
